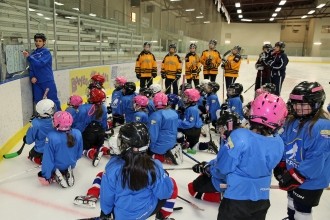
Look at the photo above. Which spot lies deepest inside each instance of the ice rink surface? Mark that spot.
(22, 197)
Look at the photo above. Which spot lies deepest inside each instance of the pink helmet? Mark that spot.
(160, 100)
(141, 100)
(193, 95)
(269, 110)
(75, 101)
(121, 80)
(62, 120)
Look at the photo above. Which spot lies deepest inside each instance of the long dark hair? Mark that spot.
(70, 140)
(137, 170)
(97, 110)
(261, 129)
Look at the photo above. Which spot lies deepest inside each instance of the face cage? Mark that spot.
(304, 116)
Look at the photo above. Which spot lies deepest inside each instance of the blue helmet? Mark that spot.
(173, 99)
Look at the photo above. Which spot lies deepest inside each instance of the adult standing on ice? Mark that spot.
(41, 73)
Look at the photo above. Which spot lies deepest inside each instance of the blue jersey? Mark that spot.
(40, 61)
(329, 108)
(217, 177)
(74, 113)
(58, 155)
(191, 118)
(141, 116)
(86, 114)
(115, 102)
(128, 107)
(247, 161)
(309, 152)
(212, 105)
(151, 107)
(126, 203)
(163, 128)
(37, 133)
(235, 105)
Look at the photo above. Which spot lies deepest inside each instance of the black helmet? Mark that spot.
(269, 87)
(234, 90)
(185, 86)
(147, 43)
(193, 45)
(267, 46)
(130, 88)
(230, 121)
(40, 36)
(238, 48)
(213, 42)
(280, 44)
(215, 86)
(133, 135)
(307, 92)
(146, 92)
(172, 46)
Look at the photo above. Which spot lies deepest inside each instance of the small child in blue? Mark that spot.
(73, 104)
(63, 149)
(235, 99)
(115, 105)
(40, 127)
(212, 101)
(127, 101)
(140, 105)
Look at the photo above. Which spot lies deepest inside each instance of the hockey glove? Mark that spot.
(104, 216)
(237, 58)
(43, 180)
(154, 74)
(280, 170)
(109, 110)
(203, 168)
(163, 75)
(24, 139)
(178, 76)
(291, 180)
(138, 76)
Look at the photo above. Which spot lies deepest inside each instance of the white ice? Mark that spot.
(23, 197)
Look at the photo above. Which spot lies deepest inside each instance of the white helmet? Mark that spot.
(45, 108)
(156, 88)
(205, 81)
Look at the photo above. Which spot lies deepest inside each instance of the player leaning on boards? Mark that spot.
(193, 65)
(146, 66)
(41, 73)
(305, 167)
(231, 66)
(211, 60)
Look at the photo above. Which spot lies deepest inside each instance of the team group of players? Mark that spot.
(290, 140)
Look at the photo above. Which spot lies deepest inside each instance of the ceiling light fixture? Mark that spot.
(237, 4)
(76, 9)
(58, 3)
(282, 2)
(201, 16)
(266, 42)
(278, 9)
(271, 19)
(274, 14)
(91, 14)
(31, 9)
(46, 18)
(240, 16)
(207, 22)
(244, 19)
(317, 43)
(39, 14)
(320, 6)
(311, 12)
(190, 9)
(305, 16)
(175, 0)
(227, 41)
(239, 11)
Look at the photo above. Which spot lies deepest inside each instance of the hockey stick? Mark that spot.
(249, 87)
(45, 93)
(186, 154)
(180, 168)
(15, 154)
(19, 174)
(170, 85)
(211, 143)
(20, 73)
(223, 75)
(224, 186)
(192, 204)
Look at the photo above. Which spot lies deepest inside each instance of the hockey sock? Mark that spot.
(209, 197)
(36, 160)
(159, 157)
(95, 189)
(167, 209)
(90, 153)
(303, 216)
(203, 145)
(105, 150)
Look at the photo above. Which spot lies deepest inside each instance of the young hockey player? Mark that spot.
(40, 127)
(163, 128)
(232, 65)
(244, 151)
(193, 65)
(278, 63)
(207, 185)
(140, 105)
(191, 124)
(115, 106)
(96, 81)
(127, 101)
(304, 169)
(41, 72)
(173, 101)
(135, 178)
(263, 70)
(155, 88)
(92, 122)
(146, 66)
(212, 101)
(211, 60)
(171, 70)
(73, 104)
(235, 99)
(63, 149)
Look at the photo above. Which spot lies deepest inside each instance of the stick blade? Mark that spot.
(11, 155)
